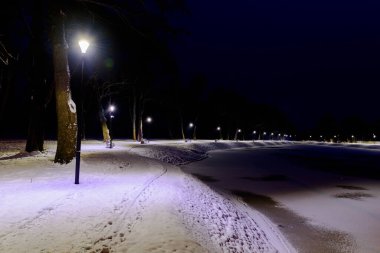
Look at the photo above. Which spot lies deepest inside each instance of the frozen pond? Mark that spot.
(324, 198)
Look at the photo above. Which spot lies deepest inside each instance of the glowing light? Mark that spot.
(218, 128)
(191, 124)
(265, 133)
(111, 108)
(254, 132)
(83, 44)
(149, 119)
(239, 130)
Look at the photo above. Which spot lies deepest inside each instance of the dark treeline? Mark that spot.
(129, 64)
(348, 129)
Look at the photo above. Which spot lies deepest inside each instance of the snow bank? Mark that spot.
(180, 152)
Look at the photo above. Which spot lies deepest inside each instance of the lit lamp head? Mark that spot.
(191, 124)
(148, 119)
(83, 44)
(111, 108)
(239, 130)
(218, 128)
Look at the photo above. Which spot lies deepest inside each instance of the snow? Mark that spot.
(72, 106)
(131, 198)
(337, 202)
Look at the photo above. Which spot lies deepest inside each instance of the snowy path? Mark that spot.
(124, 203)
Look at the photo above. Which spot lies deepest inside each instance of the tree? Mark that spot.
(65, 106)
(103, 91)
(41, 85)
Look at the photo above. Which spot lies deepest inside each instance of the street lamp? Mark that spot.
(148, 120)
(237, 133)
(83, 44)
(191, 125)
(111, 109)
(219, 129)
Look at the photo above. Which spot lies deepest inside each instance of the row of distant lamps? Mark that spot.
(336, 136)
(219, 129)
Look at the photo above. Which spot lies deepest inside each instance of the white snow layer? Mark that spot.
(124, 203)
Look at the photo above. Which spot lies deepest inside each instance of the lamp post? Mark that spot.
(191, 125)
(83, 44)
(148, 120)
(219, 129)
(111, 109)
(236, 134)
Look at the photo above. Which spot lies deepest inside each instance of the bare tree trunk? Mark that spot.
(40, 91)
(65, 106)
(6, 80)
(140, 132)
(141, 113)
(35, 140)
(134, 105)
(103, 123)
(106, 132)
(181, 124)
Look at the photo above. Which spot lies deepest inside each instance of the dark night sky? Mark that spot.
(309, 58)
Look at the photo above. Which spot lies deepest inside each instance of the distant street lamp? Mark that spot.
(191, 125)
(83, 44)
(236, 134)
(111, 109)
(219, 129)
(148, 120)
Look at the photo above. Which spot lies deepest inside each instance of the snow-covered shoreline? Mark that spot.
(125, 202)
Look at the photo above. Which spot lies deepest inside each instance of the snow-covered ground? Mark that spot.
(332, 187)
(130, 199)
